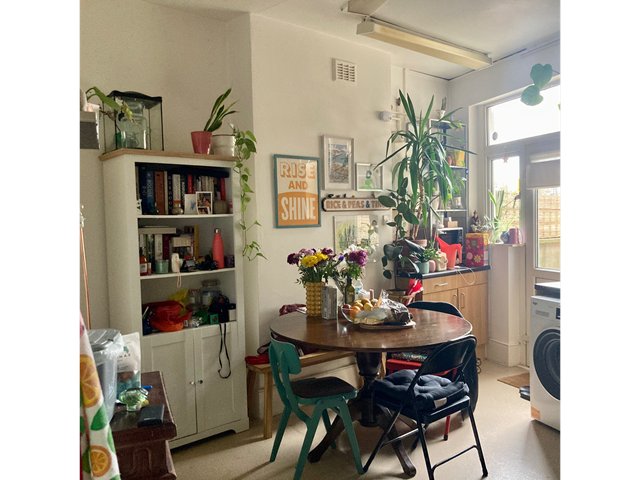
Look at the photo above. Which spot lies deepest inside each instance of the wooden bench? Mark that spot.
(265, 369)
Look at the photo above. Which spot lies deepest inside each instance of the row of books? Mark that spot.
(158, 243)
(159, 189)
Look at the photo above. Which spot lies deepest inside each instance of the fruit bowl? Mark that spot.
(345, 313)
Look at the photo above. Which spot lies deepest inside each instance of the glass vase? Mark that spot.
(314, 298)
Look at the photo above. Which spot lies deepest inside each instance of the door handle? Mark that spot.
(200, 382)
(441, 284)
(456, 297)
(192, 383)
(464, 299)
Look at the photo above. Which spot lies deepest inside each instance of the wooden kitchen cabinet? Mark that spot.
(469, 293)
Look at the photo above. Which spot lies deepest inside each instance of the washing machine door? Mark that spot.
(546, 359)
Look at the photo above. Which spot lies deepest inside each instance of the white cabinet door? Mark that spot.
(172, 354)
(219, 400)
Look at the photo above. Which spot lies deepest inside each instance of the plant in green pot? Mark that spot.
(203, 140)
(420, 177)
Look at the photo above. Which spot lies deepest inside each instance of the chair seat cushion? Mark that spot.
(321, 387)
(431, 392)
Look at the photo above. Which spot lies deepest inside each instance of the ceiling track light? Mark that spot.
(427, 46)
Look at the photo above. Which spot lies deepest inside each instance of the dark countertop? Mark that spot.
(458, 269)
(550, 289)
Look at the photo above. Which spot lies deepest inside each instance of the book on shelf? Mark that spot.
(160, 187)
(157, 247)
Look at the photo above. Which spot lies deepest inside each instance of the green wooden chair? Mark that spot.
(324, 393)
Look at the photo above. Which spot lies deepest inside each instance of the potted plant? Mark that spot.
(425, 257)
(457, 189)
(498, 223)
(203, 141)
(420, 178)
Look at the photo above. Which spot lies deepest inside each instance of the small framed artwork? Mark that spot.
(368, 178)
(358, 230)
(190, 204)
(204, 201)
(338, 163)
(297, 191)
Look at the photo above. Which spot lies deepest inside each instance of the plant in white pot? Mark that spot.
(204, 140)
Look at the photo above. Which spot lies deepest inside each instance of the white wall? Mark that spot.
(296, 101)
(134, 45)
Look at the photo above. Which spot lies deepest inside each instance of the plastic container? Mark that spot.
(106, 345)
(210, 291)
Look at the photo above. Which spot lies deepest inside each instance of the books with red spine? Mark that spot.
(190, 184)
(223, 193)
(159, 188)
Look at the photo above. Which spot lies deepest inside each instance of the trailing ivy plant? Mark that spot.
(245, 146)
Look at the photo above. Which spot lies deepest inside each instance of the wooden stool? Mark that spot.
(265, 369)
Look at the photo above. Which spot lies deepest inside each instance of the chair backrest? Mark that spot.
(443, 307)
(448, 356)
(284, 360)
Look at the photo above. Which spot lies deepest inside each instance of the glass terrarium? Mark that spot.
(145, 129)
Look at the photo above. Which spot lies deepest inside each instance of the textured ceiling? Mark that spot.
(496, 27)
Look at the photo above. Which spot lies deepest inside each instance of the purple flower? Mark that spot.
(359, 257)
(304, 252)
(340, 258)
(292, 259)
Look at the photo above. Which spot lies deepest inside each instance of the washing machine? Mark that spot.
(544, 361)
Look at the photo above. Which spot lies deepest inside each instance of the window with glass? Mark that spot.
(541, 119)
(506, 176)
(548, 228)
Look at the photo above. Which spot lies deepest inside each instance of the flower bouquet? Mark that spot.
(349, 268)
(315, 267)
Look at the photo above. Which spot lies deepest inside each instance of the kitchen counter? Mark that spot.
(458, 269)
(549, 289)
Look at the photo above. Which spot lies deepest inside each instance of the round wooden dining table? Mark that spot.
(431, 328)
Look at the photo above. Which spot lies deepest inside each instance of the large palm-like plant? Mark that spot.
(419, 178)
(422, 175)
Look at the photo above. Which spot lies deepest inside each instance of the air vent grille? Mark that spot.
(344, 72)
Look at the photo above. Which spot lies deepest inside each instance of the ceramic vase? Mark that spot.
(423, 267)
(314, 298)
(201, 142)
(223, 144)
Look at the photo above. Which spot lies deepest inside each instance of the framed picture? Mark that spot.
(297, 191)
(338, 163)
(368, 178)
(358, 230)
(204, 202)
(190, 204)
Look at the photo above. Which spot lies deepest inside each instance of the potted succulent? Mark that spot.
(222, 144)
(420, 178)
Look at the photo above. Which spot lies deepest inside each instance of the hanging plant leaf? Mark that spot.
(531, 96)
(541, 75)
(387, 201)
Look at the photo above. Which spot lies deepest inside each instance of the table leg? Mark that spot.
(267, 424)
(362, 409)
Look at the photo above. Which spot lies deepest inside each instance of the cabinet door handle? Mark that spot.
(456, 297)
(192, 383)
(464, 299)
(442, 284)
(200, 382)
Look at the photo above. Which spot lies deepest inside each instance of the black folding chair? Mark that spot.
(427, 398)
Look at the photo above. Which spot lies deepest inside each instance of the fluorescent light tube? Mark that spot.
(426, 46)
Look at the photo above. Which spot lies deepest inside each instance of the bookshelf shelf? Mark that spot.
(186, 357)
(159, 276)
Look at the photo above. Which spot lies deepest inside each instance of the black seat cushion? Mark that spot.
(321, 387)
(431, 392)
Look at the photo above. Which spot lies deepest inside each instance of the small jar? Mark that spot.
(194, 299)
(210, 291)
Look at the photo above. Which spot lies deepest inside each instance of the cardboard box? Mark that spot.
(450, 224)
(476, 248)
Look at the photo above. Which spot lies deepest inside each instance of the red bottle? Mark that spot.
(218, 248)
(143, 264)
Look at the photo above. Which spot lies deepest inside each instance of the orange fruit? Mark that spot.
(354, 310)
(89, 381)
(100, 460)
